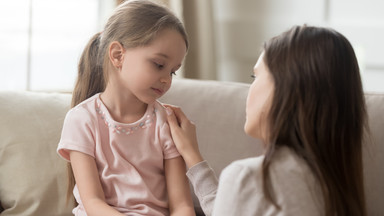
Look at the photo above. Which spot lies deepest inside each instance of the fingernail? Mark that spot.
(169, 111)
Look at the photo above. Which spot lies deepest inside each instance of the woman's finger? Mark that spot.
(181, 117)
(172, 120)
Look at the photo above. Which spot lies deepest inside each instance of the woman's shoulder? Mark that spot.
(292, 182)
(284, 163)
(295, 185)
(251, 164)
(240, 190)
(287, 168)
(242, 179)
(249, 168)
(287, 162)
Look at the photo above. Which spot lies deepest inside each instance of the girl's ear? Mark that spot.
(116, 53)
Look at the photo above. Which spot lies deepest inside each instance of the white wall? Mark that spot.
(362, 22)
(243, 25)
(41, 41)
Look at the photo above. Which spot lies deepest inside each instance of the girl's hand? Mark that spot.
(184, 135)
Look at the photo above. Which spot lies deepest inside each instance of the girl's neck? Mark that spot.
(124, 108)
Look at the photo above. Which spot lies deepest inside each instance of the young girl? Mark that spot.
(116, 137)
(307, 104)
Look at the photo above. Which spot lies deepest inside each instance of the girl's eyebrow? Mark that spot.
(162, 55)
(178, 67)
(167, 57)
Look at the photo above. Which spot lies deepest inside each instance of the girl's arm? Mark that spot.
(180, 199)
(88, 183)
(200, 174)
(184, 135)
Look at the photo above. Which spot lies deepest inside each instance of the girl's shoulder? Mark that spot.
(87, 103)
(84, 111)
(159, 109)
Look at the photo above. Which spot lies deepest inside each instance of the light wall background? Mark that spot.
(41, 40)
(227, 35)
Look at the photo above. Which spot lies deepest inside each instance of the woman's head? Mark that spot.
(318, 110)
(318, 88)
(259, 100)
(133, 24)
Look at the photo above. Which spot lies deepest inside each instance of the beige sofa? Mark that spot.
(33, 177)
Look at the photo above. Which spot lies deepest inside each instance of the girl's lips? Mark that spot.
(158, 91)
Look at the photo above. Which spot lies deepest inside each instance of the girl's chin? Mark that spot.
(148, 100)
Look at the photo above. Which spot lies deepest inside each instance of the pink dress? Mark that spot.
(129, 157)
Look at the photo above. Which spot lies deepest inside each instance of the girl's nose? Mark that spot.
(166, 78)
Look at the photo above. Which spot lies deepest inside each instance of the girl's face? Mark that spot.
(259, 100)
(147, 71)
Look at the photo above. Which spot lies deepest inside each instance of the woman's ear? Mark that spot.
(116, 53)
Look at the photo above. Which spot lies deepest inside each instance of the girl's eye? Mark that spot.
(173, 73)
(160, 66)
(253, 76)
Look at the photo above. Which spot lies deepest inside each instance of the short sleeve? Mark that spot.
(169, 148)
(77, 134)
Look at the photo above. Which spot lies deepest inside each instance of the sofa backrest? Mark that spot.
(373, 154)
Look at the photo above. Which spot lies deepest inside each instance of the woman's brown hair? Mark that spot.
(134, 23)
(318, 110)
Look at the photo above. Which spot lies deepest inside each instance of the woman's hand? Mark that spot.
(184, 135)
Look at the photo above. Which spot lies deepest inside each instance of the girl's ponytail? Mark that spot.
(90, 79)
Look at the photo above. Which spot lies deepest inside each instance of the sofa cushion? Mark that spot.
(33, 179)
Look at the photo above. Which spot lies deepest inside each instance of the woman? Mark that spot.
(307, 106)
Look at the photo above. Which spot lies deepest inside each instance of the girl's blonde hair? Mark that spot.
(134, 23)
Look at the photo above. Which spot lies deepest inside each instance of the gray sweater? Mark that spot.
(240, 192)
